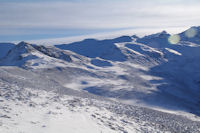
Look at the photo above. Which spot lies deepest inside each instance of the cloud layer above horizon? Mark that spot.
(36, 19)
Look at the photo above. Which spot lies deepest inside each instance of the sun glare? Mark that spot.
(174, 39)
(191, 32)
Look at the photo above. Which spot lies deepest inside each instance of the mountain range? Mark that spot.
(125, 84)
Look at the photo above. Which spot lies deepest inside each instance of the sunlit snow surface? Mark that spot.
(48, 112)
(31, 111)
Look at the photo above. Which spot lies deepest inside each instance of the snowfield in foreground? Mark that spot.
(30, 111)
(122, 85)
(39, 111)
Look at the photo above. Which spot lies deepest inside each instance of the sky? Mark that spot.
(50, 19)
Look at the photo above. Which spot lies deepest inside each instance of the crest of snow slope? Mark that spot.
(29, 55)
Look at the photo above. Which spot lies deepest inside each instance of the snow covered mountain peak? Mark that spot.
(23, 44)
(158, 35)
(31, 55)
(157, 40)
(23, 47)
(191, 35)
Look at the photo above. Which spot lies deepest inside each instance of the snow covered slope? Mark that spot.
(94, 48)
(25, 54)
(191, 35)
(35, 110)
(158, 40)
(126, 84)
(4, 48)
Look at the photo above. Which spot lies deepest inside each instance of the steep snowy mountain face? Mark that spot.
(126, 84)
(191, 35)
(4, 48)
(105, 49)
(158, 40)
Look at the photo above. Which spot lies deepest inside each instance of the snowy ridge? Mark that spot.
(125, 84)
(27, 55)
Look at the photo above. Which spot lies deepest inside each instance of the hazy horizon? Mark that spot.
(49, 19)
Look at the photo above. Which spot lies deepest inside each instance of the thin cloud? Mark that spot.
(92, 14)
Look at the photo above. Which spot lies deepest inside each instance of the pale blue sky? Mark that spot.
(43, 19)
